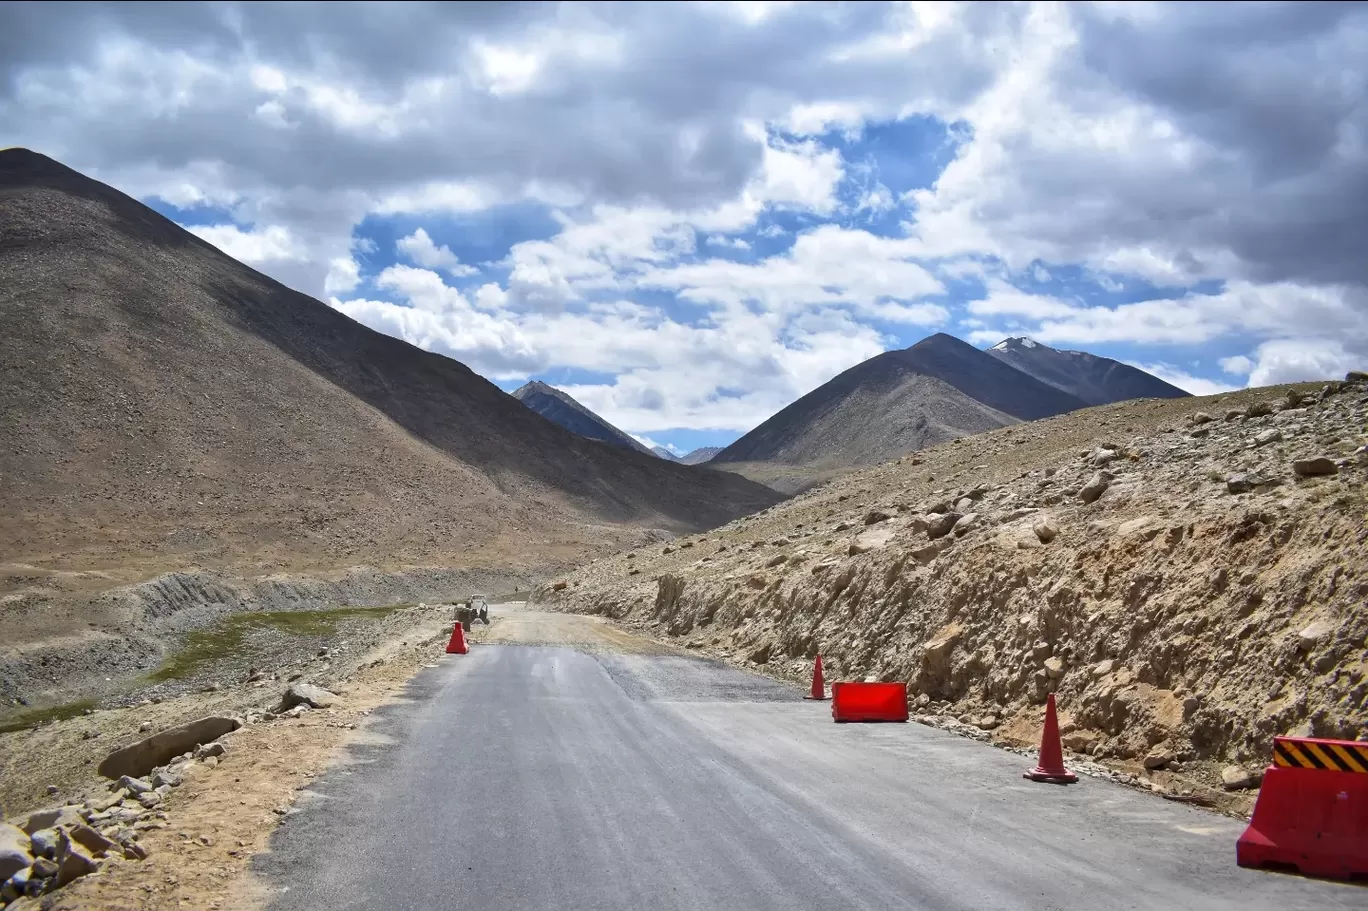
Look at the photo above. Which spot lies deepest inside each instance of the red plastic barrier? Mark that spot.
(869, 701)
(1313, 819)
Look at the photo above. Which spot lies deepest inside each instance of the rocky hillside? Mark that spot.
(561, 408)
(1095, 380)
(892, 404)
(1188, 575)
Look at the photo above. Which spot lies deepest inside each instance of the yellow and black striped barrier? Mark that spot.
(1328, 755)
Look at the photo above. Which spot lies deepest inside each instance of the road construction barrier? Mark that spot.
(457, 644)
(869, 702)
(1312, 810)
(818, 690)
(1051, 765)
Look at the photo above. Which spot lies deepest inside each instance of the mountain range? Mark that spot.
(163, 402)
(1095, 380)
(900, 401)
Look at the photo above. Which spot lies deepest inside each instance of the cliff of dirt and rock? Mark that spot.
(1188, 575)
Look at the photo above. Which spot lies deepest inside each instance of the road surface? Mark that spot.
(544, 777)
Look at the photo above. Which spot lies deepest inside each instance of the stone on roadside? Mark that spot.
(1235, 778)
(1054, 668)
(1158, 759)
(145, 755)
(14, 850)
(306, 693)
(1316, 467)
(1046, 529)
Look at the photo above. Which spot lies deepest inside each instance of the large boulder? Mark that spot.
(314, 697)
(50, 819)
(142, 757)
(14, 851)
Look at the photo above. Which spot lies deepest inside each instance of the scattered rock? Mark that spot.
(1317, 467)
(145, 755)
(1201, 417)
(133, 785)
(1273, 435)
(940, 525)
(1239, 483)
(51, 819)
(14, 850)
(166, 778)
(1096, 486)
(1054, 668)
(210, 749)
(1356, 376)
(91, 840)
(1258, 410)
(1103, 457)
(1311, 635)
(43, 843)
(1103, 668)
(875, 516)
(562, 586)
(1158, 759)
(73, 860)
(776, 560)
(966, 524)
(307, 694)
(1236, 778)
(1046, 529)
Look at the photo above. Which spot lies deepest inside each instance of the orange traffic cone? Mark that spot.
(457, 645)
(818, 684)
(1051, 767)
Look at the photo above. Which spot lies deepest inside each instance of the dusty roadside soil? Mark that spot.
(223, 815)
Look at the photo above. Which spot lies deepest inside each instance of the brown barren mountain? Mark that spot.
(894, 403)
(166, 406)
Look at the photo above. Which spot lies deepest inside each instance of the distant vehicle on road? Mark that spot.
(476, 607)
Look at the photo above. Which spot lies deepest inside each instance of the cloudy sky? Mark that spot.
(687, 215)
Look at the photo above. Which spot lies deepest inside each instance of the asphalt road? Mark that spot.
(521, 777)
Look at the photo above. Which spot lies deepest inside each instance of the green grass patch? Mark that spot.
(226, 637)
(29, 717)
